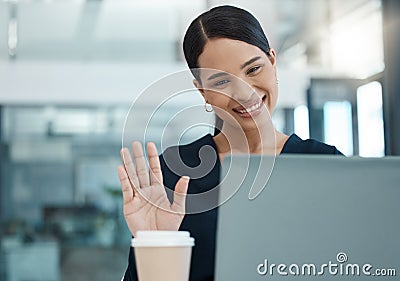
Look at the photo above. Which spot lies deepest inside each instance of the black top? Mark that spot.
(202, 226)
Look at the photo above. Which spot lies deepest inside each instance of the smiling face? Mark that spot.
(238, 79)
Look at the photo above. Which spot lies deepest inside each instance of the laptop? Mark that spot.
(315, 218)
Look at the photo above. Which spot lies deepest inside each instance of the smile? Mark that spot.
(251, 109)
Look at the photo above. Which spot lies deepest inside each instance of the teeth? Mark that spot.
(250, 109)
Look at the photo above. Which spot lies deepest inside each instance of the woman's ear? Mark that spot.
(272, 57)
(197, 84)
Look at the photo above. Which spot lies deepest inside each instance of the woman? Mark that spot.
(230, 45)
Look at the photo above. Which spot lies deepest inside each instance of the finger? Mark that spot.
(129, 167)
(154, 162)
(127, 191)
(140, 164)
(180, 195)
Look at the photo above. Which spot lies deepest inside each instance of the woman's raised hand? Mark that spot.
(146, 206)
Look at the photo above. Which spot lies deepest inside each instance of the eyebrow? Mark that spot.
(250, 61)
(216, 75)
(219, 74)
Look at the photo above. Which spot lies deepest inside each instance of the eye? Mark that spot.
(253, 69)
(221, 82)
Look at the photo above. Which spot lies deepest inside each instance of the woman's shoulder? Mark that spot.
(192, 147)
(192, 153)
(295, 144)
(197, 159)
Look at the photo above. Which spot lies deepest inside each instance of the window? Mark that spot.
(338, 125)
(370, 120)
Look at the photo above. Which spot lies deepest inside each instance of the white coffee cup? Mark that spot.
(163, 255)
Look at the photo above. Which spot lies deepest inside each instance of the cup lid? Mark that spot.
(162, 238)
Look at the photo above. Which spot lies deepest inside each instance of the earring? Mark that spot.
(208, 108)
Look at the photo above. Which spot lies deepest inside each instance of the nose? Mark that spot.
(242, 91)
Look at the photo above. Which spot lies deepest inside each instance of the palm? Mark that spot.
(146, 206)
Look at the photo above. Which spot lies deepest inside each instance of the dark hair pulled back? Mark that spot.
(222, 22)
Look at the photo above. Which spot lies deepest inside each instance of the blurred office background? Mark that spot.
(70, 69)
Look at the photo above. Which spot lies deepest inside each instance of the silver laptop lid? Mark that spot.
(319, 217)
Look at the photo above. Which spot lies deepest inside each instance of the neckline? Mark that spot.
(293, 138)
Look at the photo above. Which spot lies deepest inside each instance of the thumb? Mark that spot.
(180, 195)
